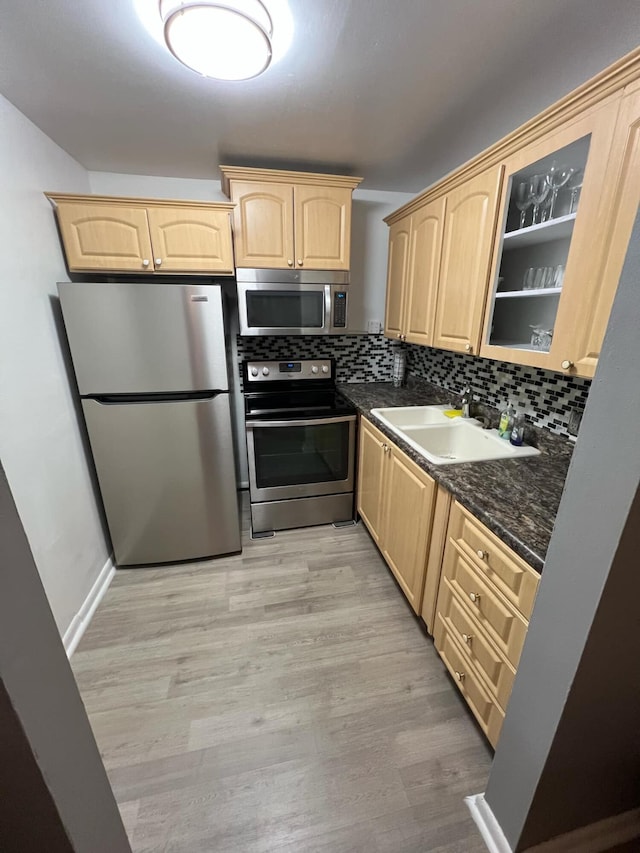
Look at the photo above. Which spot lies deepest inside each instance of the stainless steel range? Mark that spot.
(301, 438)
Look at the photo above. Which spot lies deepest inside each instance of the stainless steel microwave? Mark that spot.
(293, 302)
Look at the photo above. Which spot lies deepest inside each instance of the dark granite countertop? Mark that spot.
(517, 499)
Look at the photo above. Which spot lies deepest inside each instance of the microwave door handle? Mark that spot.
(328, 319)
(310, 422)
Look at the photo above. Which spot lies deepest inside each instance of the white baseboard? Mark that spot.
(489, 827)
(597, 837)
(80, 621)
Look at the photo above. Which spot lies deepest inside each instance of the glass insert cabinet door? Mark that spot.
(548, 244)
(301, 458)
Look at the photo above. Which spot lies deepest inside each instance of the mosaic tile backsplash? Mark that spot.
(546, 398)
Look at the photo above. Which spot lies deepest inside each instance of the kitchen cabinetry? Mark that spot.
(290, 220)
(548, 270)
(466, 255)
(439, 259)
(485, 600)
(415, 245)
(539, 294)
(396, 501)
(105, 234)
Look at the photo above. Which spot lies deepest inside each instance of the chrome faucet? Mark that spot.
(465, 403)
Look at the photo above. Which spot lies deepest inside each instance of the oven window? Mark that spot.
(289, 309)
(295, 455)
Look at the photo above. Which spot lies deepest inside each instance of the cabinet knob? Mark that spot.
(566, 364)
(403, 337)
(290, 262)
(468, 348)
(484, 555)
(300, 262)
(399, 336)
(145, 262)
(475, 597)
(467, 638)
(459, 676)
(158, 262)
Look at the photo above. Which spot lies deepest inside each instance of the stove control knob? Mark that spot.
(314, 369)
(254, 371)
(325, 368)
(265, 371)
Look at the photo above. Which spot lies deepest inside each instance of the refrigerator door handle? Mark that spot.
(170, 397)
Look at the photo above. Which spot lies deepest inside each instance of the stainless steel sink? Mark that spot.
(446, 441)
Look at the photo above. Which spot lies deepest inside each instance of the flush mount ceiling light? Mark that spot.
(228, 40)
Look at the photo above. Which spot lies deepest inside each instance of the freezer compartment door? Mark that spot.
(167, 477)
(142, 338)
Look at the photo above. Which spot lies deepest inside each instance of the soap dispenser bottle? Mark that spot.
(506, 421)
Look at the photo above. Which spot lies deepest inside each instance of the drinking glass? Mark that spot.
(529, 277)
(558, 276)
(523, 198)
(540, 190)
(575, 185)
(557, 177)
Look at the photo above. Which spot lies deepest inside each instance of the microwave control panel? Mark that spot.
(340, 309)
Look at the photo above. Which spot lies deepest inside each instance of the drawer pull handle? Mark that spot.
(484, 555)
(467, 638)
(459, 675)
(475, 597)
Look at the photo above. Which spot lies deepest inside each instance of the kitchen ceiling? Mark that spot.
(398, 92)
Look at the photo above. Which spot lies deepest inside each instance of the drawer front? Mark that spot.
(500, 620)
(485, 710)
(494, 667)
(517, 581)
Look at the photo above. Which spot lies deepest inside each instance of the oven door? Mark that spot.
(301, 458)
(268, 308)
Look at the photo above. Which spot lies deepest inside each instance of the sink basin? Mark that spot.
(445, 441)
(408, 416)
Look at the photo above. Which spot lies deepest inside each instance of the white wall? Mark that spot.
(40, 441)
(369, 235)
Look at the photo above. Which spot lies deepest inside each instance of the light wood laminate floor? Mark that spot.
(284, 699)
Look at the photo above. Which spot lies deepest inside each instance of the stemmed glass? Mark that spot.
(540, 190)
(575, 185)
(557, 177)
(523, 199)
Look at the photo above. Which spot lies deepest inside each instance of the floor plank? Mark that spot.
(285, 699)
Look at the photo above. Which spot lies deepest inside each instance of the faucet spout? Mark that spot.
(465, 403)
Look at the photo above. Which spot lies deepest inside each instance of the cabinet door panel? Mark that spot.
(105, 237)
(622, 179)
(466, 257)
(322, 220)
(190, 240)
(397, 269)
(423, 273)
(408, 514)
(263, 224)
(371, 459)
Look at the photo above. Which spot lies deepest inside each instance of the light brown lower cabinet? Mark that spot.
(396, 500)
(485, 599)
(473, 592)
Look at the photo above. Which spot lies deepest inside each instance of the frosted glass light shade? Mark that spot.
(223, 40)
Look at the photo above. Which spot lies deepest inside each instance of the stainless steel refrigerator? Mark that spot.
(151, 370)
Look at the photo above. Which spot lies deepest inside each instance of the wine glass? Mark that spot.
(540, 190)
(523, 199)
(575, 185)
(557, 177)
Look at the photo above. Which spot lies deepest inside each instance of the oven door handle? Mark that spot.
(309, 422)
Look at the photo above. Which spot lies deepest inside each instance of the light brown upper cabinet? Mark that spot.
(469, 230)
(539, 291)
(290, 220)
(547, 273)
(105, 234)
(415, 244)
